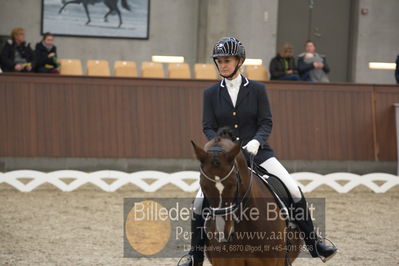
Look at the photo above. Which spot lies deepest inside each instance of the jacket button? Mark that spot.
(236, 126)
(234, 113)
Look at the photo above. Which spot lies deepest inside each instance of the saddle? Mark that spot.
(276, 186)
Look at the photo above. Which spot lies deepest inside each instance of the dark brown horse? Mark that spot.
(111, 4)
(240, 227)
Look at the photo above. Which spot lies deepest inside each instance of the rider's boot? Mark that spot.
(195, 257)
(313, 242)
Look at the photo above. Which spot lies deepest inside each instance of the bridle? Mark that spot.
(238, 201)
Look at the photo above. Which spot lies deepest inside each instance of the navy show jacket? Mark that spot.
(251, 118)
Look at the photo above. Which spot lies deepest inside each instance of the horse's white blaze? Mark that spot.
(220, 187)
(220, 222)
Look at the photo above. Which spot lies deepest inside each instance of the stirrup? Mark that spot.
(323, 259)
(186, 260)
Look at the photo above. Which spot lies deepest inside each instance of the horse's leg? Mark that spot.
(120, 17)
(106, 15)
(231, 261)
(111, 8)
(67, 3)
(264, 261)
(87, 13)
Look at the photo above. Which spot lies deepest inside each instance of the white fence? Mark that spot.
(151, 181)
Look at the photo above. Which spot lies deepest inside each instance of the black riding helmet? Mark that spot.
(229, 46)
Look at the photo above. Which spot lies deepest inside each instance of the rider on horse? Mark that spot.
(242, 105)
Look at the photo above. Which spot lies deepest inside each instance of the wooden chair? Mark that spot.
(179, 71)
(98, 68)
(152, 70)
(71, 67)
(205, 71)
(256, 72)
(125, 69)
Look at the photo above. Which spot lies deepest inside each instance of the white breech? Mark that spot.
(197, 204)
(273, 166)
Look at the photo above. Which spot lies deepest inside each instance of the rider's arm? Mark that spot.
(264, 120)
(209, 124)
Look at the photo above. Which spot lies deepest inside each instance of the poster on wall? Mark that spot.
(97, 18)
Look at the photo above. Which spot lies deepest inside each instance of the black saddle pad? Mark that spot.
(276, 185)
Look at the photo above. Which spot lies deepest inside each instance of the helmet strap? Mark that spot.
(232, 74)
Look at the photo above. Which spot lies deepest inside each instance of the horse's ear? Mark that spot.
(199, 153)
(231, 154)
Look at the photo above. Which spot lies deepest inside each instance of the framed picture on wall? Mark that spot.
(97, 18)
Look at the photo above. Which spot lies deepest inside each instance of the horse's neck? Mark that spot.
(243, 168)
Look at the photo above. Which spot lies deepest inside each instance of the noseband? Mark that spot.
(238, 200)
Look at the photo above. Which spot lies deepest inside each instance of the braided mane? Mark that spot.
(223, 133)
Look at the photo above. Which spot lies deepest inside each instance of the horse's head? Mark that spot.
(218, 164)
(220, 179)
